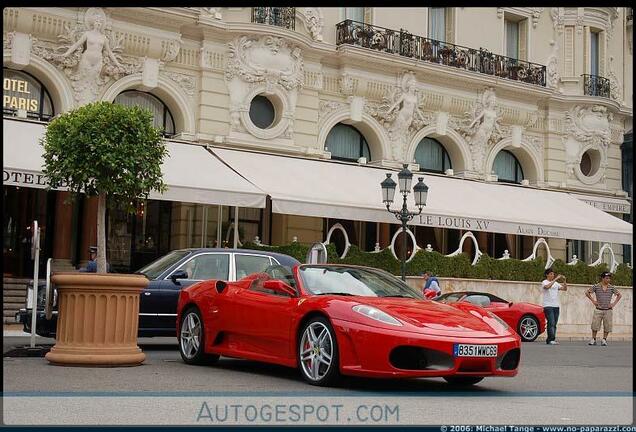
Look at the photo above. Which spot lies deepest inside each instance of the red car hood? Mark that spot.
(441, 319)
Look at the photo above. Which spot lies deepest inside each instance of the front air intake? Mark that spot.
(510, 361)
(418, 358)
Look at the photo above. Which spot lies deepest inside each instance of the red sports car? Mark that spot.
(329, 320)
(527, 318)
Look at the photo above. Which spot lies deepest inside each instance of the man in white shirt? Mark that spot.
(551, 288)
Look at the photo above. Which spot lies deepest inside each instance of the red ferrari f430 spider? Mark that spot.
(331, 320)
(527, 319)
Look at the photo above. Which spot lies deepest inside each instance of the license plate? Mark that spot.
(468, 350)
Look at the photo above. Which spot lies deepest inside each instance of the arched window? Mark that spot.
(161, 113)
(431, 155)
(23, 92)
(507, 167)
(346, 143)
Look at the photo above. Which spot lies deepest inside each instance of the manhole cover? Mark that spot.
(27, 351)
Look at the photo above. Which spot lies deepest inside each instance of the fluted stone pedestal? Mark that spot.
(98, 317)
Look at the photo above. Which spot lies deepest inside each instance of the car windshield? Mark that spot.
(450, 298)
(158, 266)
(358, 281)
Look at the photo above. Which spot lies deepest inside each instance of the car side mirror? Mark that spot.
(279, 287)
(509, 303)
(179, 274)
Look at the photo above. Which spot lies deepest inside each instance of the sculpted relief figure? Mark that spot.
(401, 114)
(84, 60)
(484, 129)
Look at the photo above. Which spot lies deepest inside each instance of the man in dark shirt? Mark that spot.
(603, 292)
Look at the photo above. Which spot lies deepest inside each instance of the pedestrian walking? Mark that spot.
(431, 287)
(603, 291)
(551, 305)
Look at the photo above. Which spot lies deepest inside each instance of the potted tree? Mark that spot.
(115, 153)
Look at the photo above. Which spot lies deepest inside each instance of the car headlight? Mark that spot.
(376, 314)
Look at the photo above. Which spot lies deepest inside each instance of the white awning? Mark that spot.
(192, 173)
(347, 191)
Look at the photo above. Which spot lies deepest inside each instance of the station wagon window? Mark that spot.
(155, 268)
(248, 264)
(208, 266)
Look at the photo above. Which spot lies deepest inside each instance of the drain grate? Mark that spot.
(27, 351)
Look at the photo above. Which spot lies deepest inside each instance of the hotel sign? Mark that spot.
(609, 206)
(17, 95)
(24, 178)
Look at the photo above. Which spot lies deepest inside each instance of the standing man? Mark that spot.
(604, 305)
(551, 288)
(91, 266)
(431, 285)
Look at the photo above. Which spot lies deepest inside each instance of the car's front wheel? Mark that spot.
(318, 352)
(191, 338)
(528, 328)
(463, 380)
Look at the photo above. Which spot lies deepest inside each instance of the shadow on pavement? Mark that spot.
(372, 385)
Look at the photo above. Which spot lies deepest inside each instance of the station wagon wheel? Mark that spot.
(528, 328)
(318, 352)
(191, 338)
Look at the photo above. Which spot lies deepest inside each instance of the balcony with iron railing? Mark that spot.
(594, 85)
(277, 16)
(430, 50)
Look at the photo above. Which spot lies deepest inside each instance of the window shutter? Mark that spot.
(368, 15)
(523, 40)
(586, 50)
(569, 51)
(601, 53)
(449, 23)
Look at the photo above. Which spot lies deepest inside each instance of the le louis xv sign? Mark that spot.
(476, 224)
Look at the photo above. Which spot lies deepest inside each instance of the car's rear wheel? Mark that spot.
(528, 328)
(191, 338)
(463, 380)
(318, 353)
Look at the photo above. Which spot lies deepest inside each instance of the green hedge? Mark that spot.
(460, 266)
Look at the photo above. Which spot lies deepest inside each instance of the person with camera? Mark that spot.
(551, 305)
(603, 292)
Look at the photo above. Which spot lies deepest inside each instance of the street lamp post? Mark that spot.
(420, 190)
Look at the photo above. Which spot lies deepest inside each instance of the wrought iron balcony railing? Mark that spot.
(278, 16)
(594, 85)
(434, 51)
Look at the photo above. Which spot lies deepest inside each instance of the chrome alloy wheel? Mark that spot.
(190, 338)
(316, 351)
(529, 328)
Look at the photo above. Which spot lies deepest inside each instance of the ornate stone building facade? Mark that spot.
(537, 97)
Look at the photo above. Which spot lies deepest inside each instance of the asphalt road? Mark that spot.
(571, 383)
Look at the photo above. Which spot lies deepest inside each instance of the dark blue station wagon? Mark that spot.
(168, 275)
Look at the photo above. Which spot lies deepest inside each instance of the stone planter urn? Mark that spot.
(98, 317)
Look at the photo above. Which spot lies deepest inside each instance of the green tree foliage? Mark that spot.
(106, 150)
